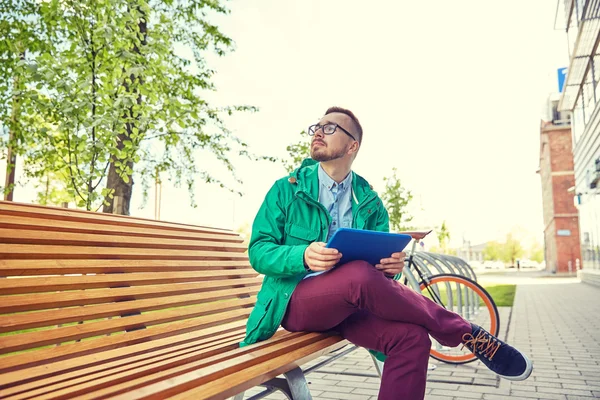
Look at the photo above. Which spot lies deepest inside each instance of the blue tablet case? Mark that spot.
(370, 246)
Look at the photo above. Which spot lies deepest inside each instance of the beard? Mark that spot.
(322, 155)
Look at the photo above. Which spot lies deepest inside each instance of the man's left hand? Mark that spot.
(393, 265)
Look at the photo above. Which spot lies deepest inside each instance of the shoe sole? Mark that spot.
(524, 375)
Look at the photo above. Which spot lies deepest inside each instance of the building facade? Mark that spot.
(562, 250)
(581, 97)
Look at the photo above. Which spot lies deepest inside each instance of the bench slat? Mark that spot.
(13, 222)
(89, 266)
(88, 373)
(39, 319)
(205, 355)
(29, 340)
(28, 251)
(57, 283)
(178, 331)
(57, 371)
(172, 380)
(66, 214)
(242, 380)
(43, 301)
(19, 236)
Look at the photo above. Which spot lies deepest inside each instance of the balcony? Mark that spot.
(583, 17)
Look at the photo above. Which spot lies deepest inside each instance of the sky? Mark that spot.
(449, 93)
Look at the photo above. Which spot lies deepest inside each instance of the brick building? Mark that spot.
(561, 221)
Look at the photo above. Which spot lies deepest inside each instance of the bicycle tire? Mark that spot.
(482, 295)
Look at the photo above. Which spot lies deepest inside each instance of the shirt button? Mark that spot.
(286, 295)
(334, 223)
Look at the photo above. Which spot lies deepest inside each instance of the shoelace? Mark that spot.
(484, 344)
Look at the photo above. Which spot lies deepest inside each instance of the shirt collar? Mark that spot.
(330, 183)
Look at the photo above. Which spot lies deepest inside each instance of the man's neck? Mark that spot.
(338, 171)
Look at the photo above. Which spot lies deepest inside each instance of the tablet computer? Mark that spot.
(370, 246)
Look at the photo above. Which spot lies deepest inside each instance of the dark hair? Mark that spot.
(352, 117)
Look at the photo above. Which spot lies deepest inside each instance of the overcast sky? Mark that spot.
(450, 93)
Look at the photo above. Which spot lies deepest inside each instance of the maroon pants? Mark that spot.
(377, 313)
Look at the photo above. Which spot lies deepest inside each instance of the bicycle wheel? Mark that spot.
(467, 298)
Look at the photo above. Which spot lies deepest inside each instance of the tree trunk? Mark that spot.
(11, 162)
(11, 159)
(122, 190)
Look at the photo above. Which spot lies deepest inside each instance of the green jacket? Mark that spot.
(289, 219)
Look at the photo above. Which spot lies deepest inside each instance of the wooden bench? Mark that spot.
(100, 306)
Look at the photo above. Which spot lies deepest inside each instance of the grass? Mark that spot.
(503, 295)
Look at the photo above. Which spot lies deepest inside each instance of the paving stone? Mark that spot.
(342, 396)
(462, 395)
(537, 395)
(366, 392)
(435, 397)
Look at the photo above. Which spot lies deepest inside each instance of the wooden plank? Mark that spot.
(29, 340)
(39, 319)
(56, 283)
(63, 214)
(41, 375)
(207, 355)
(44, 301)
(91, 266)
(43, 224)
(20, 236)
(67, 354)
(168, 381)
(46, 386)
(247, 378)
(29, 251)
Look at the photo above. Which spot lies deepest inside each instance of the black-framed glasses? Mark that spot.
(328, 129)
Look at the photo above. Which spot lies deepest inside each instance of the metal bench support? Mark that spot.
(294, 386)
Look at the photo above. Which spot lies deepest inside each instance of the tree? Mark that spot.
(114, 95)
(508, 251)
(443, 236)
(536, 252)
(21, 33)
(396, 199)
(512, 250)
(297, 153)
(492, 251)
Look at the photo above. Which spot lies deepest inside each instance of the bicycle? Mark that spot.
(457, 293)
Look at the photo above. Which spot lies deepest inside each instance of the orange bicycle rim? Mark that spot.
(487, 302)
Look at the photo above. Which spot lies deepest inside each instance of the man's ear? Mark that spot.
(354, 147)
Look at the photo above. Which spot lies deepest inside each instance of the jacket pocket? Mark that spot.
(256, 318)
(297, 234)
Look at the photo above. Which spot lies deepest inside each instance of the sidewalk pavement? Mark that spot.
(556, 321)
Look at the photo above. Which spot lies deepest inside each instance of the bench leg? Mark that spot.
(298, 385)
(294, 386)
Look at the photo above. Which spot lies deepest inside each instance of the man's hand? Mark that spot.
(320, 258)
(393, 265)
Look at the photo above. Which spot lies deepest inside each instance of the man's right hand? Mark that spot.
(320, 258)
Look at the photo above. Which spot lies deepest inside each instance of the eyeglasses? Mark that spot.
(328, 129)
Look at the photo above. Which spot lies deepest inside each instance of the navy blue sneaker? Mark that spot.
(498, 356)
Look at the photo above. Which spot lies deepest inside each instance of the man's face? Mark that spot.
(331, 147)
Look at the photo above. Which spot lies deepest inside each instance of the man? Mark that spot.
(303, 292)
